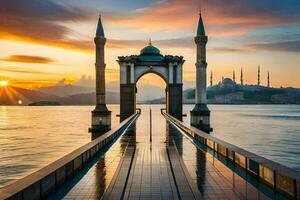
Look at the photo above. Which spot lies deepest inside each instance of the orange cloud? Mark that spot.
(40, 22)
(222, 17)
(290, 46)
(28, 59)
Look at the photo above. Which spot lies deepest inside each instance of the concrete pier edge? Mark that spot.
(41, 183)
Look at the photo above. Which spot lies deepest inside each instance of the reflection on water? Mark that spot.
(32, 137)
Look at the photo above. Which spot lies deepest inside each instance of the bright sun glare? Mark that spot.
(3, 83)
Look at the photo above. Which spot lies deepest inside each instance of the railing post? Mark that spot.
(150, 125)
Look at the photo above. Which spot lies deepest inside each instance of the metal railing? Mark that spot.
(50, 178)
(281, 178)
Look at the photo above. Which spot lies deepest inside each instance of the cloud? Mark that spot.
(85, 81)
(290, 46)
(22, 71)
(184, 42)
(222, 17)
(40, 22)
(225, 49)
(28, 59)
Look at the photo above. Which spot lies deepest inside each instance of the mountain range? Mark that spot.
(83, 95)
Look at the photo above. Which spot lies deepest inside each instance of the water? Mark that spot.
(32, 137)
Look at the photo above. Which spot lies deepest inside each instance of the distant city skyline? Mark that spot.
(44, 42)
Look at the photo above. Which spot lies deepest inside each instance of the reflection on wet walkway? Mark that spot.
(171, 167)
(214, 179)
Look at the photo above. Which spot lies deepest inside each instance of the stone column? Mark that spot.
(127, 90)
(101, 116)
(174, 99)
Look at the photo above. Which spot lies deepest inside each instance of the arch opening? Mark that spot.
(151, 89)
(152, 72)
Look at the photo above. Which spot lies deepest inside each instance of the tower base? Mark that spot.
(200, 117)
(101, 119)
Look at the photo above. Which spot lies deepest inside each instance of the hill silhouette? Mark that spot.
(18, 96)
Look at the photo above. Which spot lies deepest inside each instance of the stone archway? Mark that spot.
(150, 60)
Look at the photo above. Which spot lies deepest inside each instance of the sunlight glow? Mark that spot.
(3, 83)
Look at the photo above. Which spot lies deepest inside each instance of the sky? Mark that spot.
(45, 42)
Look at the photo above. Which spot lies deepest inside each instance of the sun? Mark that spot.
(3, 83)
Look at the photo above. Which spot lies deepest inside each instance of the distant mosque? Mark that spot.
(229, 83)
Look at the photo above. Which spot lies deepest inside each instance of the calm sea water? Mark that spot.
(32, 137)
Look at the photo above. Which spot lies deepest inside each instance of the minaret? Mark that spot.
(200, 115)
(101, 116)
(233, 76)
(268, 80)
(211, 79)
(242, 78)
(258, 76)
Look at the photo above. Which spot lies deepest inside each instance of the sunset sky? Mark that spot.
(44, 42)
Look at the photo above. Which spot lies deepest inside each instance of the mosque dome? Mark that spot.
(228, 83)
(150, 50)
(150, 53)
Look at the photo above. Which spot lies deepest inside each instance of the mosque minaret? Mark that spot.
(242, 78)
(101, 116)
(233, 76)
(200, 115)
(258, 75)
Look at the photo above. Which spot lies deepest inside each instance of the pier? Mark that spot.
(181, 162)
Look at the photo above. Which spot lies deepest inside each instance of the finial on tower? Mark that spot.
(150, 42)
(200, 7)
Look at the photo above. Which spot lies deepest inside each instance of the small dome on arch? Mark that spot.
(150, 50)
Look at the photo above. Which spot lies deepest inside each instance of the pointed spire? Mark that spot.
(200, 29)
(100, 32)
(242, 78)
